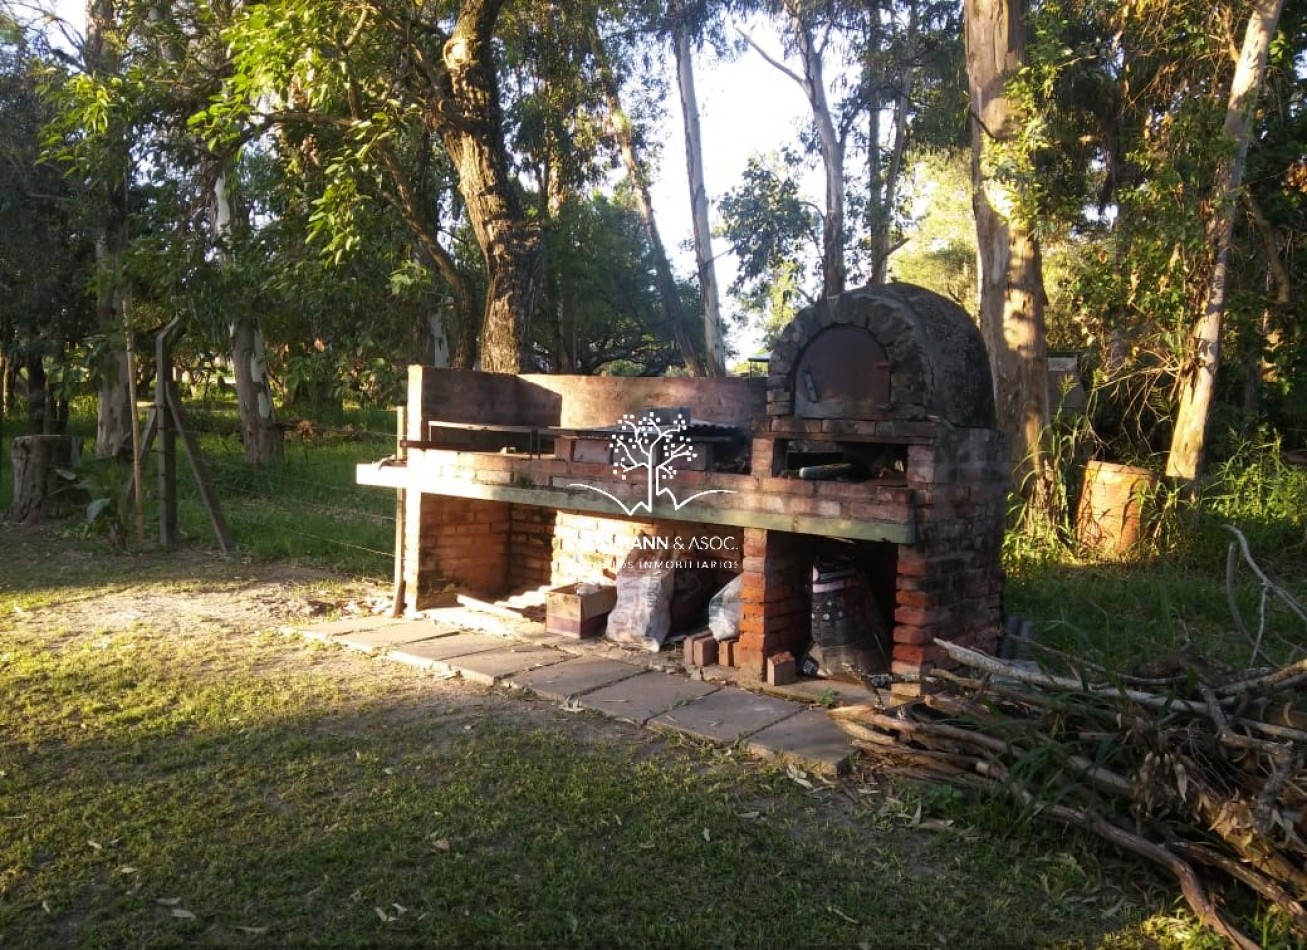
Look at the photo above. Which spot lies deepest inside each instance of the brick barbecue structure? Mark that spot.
(508, 481)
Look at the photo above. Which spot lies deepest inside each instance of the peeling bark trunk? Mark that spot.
(1010, 267)
(1185, 459)
(831, 142)
(259, 431)
(882, 246)
(832, 155)
(436, 350)
(714, 361)
(114, 411)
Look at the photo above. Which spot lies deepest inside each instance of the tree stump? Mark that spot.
(37, 460)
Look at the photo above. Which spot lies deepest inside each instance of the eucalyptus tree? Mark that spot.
(105, 158)
(631, 140)
(870, 74)
(688, 21)
(1198, 383)
(811, 29)
(1141, 115)
(1010, 268)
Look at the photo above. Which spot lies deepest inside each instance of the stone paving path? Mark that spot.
(649, 690)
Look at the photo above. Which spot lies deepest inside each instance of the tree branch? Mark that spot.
(774, 62)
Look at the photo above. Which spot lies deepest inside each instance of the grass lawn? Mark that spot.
(173, 772)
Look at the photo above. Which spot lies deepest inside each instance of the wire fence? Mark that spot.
(306, 506)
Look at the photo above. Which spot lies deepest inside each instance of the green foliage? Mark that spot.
(773, 231)
(601, 274)
(1117, 163)
(105, 484)
(940, 253)
(45, 246)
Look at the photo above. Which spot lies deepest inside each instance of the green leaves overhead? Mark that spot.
(769, 226)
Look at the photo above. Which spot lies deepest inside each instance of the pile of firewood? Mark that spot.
(1204, 774)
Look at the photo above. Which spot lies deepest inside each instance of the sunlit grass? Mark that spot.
(222, 787)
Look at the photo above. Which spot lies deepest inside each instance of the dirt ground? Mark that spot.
(67, 590)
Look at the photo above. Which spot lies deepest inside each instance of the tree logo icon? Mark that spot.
(653, 447)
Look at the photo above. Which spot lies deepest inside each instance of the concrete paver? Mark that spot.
(494, 665)
(726, 715)
(392, 635)
(434, 652)
(642, 697)
(602, 678)
(328, 631)
(564, 681)
(809, 737)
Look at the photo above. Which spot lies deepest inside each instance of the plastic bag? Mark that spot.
(850, 640)
(724, 610)
(642, 615)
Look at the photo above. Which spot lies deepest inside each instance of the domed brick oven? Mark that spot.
(892, 385)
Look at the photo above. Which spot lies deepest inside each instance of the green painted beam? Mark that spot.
(571, 499)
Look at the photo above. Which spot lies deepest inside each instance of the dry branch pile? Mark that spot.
(1189, 770)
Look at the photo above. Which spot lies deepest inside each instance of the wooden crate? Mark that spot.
(570, 614)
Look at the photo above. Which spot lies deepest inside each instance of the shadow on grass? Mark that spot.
(232, 789)
(466, 827)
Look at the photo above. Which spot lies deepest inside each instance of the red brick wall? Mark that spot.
(774, 605)
(530, 546)
(455, 540)
(950, 583)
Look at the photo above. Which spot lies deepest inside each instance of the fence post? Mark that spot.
(401, 454)
(165, 438)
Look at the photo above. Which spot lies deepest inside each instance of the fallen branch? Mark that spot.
(1208, 776)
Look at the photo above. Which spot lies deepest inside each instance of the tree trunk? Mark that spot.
(668, 298)
(434, 348)
(891, 169)
(714, 362)
(102, 58)
(259, 432)
(113, 433)
(36, 463)
(6, 383)
(467, 115)
(1010, 268)
(1185, 459)
(830, 140)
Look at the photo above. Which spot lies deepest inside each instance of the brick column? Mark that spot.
(774, 609)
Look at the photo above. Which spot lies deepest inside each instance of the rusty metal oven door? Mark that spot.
(843, 374)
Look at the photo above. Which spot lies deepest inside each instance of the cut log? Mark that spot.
(37, 460)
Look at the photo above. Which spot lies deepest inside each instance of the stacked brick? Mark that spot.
(774, 605)
(949, 584)
(455, 540)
